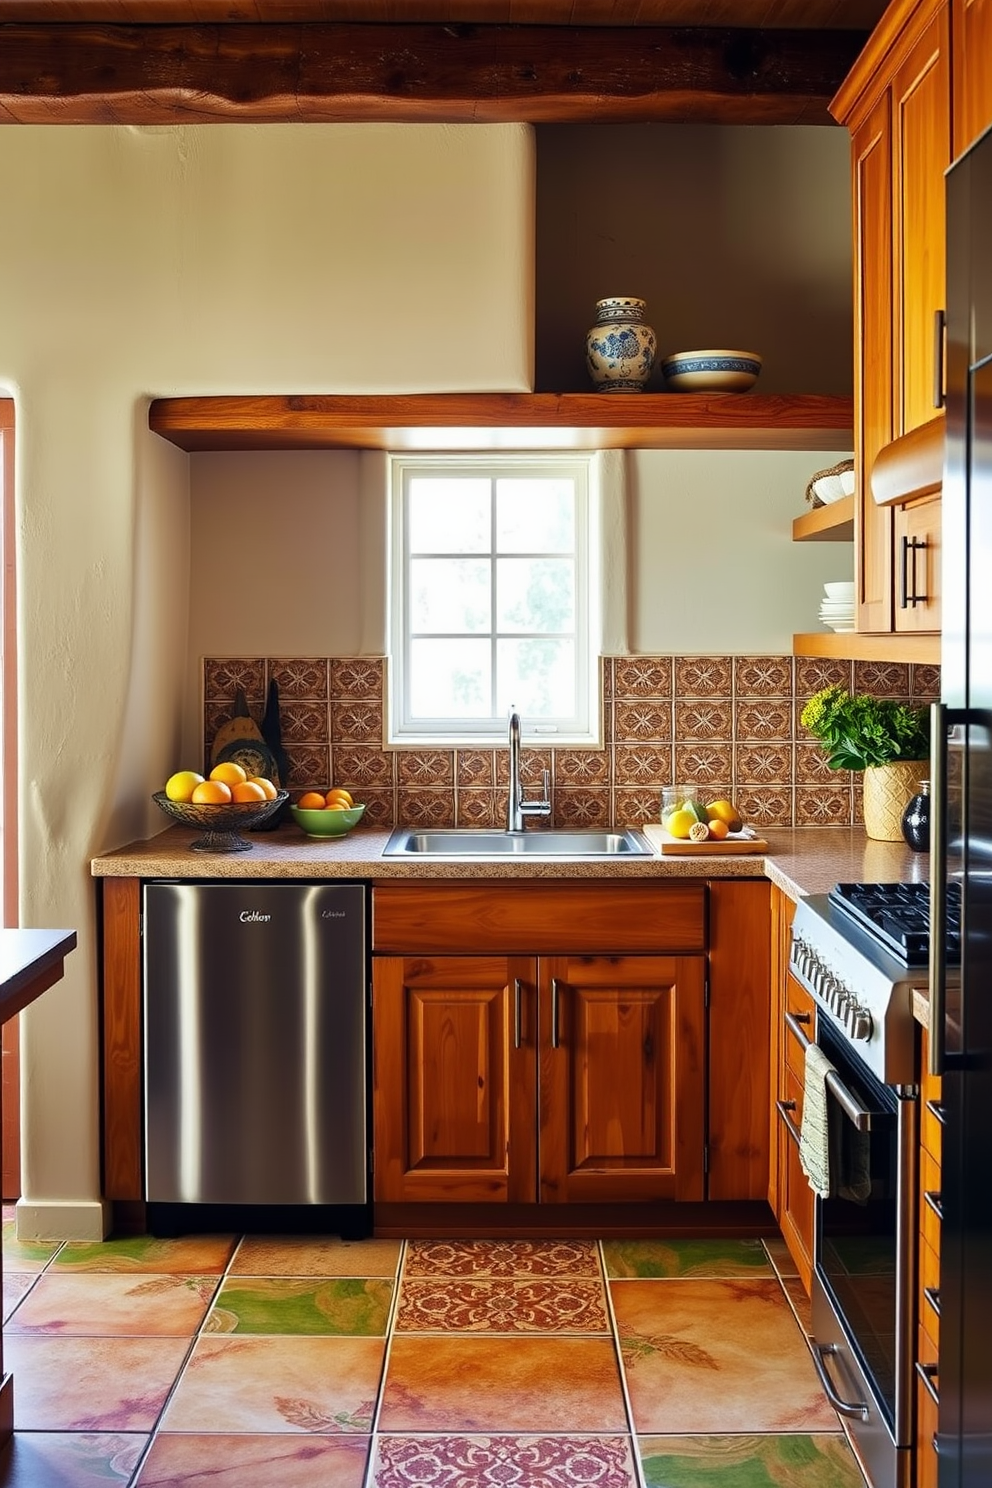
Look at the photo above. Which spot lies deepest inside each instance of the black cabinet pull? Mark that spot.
(908, 594)
(517, 1013)
(939, 328)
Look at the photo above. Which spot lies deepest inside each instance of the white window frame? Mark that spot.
(585, 728)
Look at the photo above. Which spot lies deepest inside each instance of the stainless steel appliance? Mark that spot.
(961, 838)
(860, 951)
(256, 998)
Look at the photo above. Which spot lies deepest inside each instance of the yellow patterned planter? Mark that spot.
(888, 791)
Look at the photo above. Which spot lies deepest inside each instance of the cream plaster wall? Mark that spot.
(143, 262)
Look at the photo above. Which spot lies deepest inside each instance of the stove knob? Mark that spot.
(861, 1024)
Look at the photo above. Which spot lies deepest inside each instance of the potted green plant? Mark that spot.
(880, 736)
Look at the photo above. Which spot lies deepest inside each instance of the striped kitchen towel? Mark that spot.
(814, 1132)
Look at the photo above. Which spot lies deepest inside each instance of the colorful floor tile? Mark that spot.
(16, 1285)
(205, 1255)
(340, 1305)
(89, 1459)
(104, 1305)
(26, 1255)
(250, 1461)
(780, 1257)
(257, 1385)
(646, 1258)
(471, 1461)
(260, 1255)
(459, 1305)
(800, 1303)
(467, 1384)
(91, 1384)
(716, 1356)
(501, 1258)
(749, 1462)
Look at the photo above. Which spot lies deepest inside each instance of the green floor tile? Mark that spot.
(748, 1462)
(26, 1250)
(341, 1305)
(650, 1258)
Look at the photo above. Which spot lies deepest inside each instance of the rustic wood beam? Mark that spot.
(262, 73)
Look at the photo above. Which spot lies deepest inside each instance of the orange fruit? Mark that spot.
(338, 797)
(247, 790)
(229, 773)
(311, 801)
(267, 788)
(725, 811)
(211, 793)
(719, 829)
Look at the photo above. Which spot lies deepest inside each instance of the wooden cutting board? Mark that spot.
(665, 843)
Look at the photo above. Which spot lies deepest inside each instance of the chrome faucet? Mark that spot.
(516, 807)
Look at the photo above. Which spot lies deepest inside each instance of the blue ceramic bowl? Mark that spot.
(718, 371)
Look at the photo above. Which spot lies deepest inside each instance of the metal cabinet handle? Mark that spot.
(821, 1351)
(852, 1108)
(517, 1013)
(939, 342)
(937, 1111)
(555, 1039)
(932, 1295)
(928, 1373)
(783, 1108)
(932, 1200)
(908, 594)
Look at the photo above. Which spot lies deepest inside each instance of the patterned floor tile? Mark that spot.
(685, 1258)
(202, 1255)
(278, 1384)
(749, 1462)
(780, 1256)
(341, 1305)
(85, 1459)
(463, 1305)
(104, 1305)
(716, 1356)
(261, 1255)
(218, 1461)
(16, 1285)
(471, 1461)
(501, 1258)
(801, 1305)
(505, 1384)
(91, 1384)
(26, 1255)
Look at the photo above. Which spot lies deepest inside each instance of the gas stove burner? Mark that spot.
(898, 916)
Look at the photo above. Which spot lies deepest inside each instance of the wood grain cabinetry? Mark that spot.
(789, 1192)
(971, 60)
(928, 1292)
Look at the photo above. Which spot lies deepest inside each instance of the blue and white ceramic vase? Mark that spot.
(620, 348)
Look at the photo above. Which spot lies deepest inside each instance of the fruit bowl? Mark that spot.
(717, 371)
(221, 823)
(327, 823)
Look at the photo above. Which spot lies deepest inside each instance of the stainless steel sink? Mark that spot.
(408, 842)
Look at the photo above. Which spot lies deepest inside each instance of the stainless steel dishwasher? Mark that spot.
(256, 1002)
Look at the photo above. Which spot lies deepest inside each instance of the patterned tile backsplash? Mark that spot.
(726, 723)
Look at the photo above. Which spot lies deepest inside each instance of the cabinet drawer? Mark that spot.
(538, 918)
(929, 1183)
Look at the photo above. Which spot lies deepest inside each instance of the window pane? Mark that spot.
(535, 516)
(450, 679)
(449, 594)
(535, 594)
(538, 676)
(448, 515)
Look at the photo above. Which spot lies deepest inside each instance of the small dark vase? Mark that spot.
(916, 819)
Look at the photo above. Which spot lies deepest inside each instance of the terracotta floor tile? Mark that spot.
(801, 1305)
(26, 1255)
(501, 1258)
(200, 1255)
(83, 1459)
(749, 1462)
(648, 1258)
(471, 1461)
(778, 1254)
(460, 1305)
(91, 1384)
(216, 1461)
(16, 1285)
(511, 1384)
(338, 1305)
(262, 1255)
(278, 1384)
(99, 1306)
(716, 1356)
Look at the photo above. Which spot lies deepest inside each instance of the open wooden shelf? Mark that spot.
(833, 523)
(481, 421)
(924, 649)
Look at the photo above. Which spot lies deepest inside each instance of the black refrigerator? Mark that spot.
(962, 846)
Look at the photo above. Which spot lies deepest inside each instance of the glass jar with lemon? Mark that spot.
(680, 810)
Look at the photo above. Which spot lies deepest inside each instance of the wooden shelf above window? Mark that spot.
(833, 523)
(922, 648)
(481, 421)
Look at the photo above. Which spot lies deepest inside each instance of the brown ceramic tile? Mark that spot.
(819, 806)
(72, 1459)
(812, 767)
(634, 722)
(716, 1356)
(763, 676)
(252, 1461)
(476, 767)
(357, 677)
(379, 808)
(451, 1304)
(481, 808)
(263, 1384)
(924, 683)
(581, 767)
(424, 808)
(643, 765)
(362, 766)
(703, 676)
(771, 719)
(816, 672)
(420, 768)
(534, 760)
(309, 768)
(780, 1255)
(194, 1255)
(85, 1305)
(632, 808)
(470, 1461)
(467, 1384)
(882, 678)
(91, 1384)
(264, 1255)
(304, 723)
(510, 1258)
(763, 764)
(704, 720)
(608, 674)
(762, 806)
(642, 676)
(582, 808)
(703, 764)
(800, 1303)
(299, 677)
(222, 676)
(356, 721)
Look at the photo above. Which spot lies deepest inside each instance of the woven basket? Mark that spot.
(839, 469)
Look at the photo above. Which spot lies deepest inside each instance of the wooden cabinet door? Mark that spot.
(796, 1216)
(971, 30)
(622, 1054)
(917, 562)
(455, 1078)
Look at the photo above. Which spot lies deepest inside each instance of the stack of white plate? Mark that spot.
(837, 608)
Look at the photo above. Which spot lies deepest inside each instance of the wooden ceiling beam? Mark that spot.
(262, 73)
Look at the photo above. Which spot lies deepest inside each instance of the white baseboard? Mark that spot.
(42, 1219)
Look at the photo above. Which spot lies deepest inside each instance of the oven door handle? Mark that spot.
(849, 1104)
(858, 1409)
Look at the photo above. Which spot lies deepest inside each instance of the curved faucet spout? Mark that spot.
(516, 807)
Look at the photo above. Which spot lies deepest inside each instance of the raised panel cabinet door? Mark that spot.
(622, 1062)
(454, 1079)
(971, 33)
(918, 568)
(873, 405)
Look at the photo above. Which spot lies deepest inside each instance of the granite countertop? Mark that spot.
(799, 860)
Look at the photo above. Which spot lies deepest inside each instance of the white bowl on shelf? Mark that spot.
(839, 589)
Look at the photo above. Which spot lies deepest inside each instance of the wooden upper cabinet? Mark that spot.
(971, 22)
